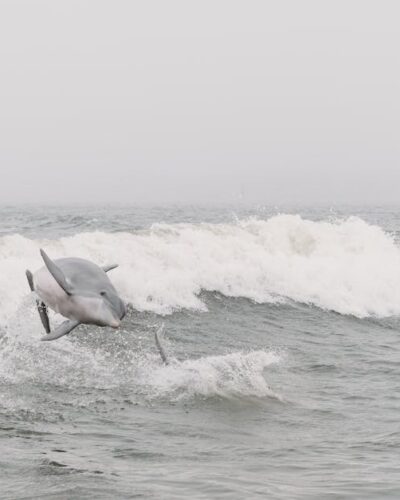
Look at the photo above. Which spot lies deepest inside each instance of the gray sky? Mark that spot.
(195, 101)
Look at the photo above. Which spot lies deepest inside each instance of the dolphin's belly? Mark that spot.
(50, 292)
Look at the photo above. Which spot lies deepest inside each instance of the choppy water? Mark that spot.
(284, 334)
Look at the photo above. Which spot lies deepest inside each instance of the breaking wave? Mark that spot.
(347, 266)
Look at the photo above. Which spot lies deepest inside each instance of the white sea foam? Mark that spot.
(347, 266)
(231, 375)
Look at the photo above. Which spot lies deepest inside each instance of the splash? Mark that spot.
(232, 375)
(80, 366)
(347, 266)
(25, 359)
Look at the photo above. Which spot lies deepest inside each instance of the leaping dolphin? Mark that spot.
(79, 290)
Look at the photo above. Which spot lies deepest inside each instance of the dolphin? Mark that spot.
(77, 289)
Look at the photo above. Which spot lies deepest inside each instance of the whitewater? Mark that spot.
(347, 266)
(282, 327)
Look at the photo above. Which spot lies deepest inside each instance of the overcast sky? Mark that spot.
(200, 101)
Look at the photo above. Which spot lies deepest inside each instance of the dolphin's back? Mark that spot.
(83, 274)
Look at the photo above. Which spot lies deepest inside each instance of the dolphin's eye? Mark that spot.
(103, 293)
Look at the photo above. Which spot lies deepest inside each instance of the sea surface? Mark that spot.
(282, 326)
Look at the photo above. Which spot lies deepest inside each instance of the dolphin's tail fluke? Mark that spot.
(109, 267)
(160, 347)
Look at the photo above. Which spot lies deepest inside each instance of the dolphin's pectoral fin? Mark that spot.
(42, 309)
(62, 330)
(160, 347)
(110, 267)
(56, 272)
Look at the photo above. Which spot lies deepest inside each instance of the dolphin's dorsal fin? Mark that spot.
(109, 267)
(160, 348)
(56, 272)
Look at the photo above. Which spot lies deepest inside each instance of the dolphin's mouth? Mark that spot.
(114, 315)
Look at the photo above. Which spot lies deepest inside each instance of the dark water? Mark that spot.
(283, 335)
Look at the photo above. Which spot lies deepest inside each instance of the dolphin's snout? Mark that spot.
(115, 323)
(111, 313)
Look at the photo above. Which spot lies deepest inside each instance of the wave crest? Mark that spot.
(347, 266)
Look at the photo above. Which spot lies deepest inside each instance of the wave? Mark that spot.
(347, 266)
(80, 366)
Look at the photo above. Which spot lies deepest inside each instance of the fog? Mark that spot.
(199, 102)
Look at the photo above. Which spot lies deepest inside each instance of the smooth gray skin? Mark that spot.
(79, 290)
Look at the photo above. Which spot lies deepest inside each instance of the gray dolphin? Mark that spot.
(79, 290)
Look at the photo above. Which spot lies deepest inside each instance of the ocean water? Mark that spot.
(283, 330)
